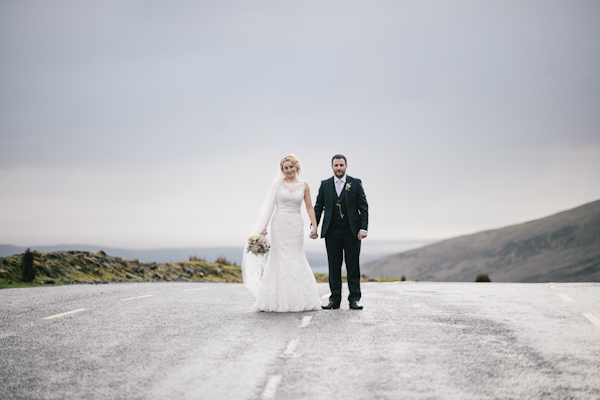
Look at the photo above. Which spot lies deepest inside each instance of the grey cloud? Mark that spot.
(134, 85)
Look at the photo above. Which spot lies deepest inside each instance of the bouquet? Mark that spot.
(258, 244)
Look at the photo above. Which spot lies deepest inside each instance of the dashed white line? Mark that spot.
(67, 313)
(565, 297)
(290, 350)
(271, 387)
(139, 297)
(593, 319)
(305, 321)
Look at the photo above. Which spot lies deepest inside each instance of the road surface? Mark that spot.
(413, 340)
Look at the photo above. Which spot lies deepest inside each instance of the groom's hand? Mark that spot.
(362, 235)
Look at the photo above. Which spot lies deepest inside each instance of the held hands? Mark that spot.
(313, 233)
(362, 235)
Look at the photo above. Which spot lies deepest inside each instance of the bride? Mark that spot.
(286, 282)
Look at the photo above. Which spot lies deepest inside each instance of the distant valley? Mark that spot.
(564, 247)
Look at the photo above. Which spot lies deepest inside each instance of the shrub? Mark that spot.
(483, 278)
(28, 269)
(222, 260)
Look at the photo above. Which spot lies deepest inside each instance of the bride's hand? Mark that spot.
(264, 232)
(313, 233)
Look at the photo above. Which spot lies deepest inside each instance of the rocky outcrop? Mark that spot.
(65, 267)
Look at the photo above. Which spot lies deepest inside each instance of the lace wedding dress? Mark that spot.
(288, 283)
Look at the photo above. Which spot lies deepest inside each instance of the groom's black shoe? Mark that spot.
(354, 305)
(331, 306)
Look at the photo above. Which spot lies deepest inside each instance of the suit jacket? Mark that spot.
(356, 204)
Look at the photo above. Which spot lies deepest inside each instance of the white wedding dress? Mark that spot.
(288, 283)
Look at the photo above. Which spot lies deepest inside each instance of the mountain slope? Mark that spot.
(564, 247)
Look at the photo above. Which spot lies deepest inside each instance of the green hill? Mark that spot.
(68, 267)
(564, 247)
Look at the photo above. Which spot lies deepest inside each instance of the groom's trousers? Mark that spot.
(342, 244)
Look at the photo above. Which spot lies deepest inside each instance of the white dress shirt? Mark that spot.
(339, 184)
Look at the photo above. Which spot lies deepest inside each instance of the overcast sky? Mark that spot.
(142, 124)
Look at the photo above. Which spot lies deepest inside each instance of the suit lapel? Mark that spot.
(347, 189)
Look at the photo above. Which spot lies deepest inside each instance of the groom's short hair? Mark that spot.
(339, 156)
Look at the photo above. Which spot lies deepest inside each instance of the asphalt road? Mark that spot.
(202, 341)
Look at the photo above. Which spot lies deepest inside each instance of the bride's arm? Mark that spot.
(310, 210)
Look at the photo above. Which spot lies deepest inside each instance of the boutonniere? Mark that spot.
(348, 186)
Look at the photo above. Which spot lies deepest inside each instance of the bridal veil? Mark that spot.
(254, 264)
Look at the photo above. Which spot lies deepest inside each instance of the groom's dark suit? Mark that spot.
(344, 216)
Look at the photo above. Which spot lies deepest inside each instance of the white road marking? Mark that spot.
(565, 298)
(552, 287)
(67, 313)
(325, 296)
(593, 319)
(290, 350)
(271, 387)
(139, 297)
(305, 321)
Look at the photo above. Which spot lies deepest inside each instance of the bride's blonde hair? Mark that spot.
(291, 158)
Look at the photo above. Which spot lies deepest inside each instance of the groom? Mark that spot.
(344, 226)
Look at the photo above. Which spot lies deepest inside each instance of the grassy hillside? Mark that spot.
(68, 267)
(73, 267)
(564, 247)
